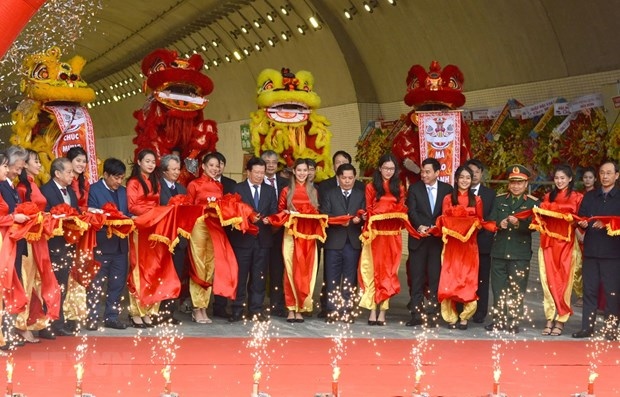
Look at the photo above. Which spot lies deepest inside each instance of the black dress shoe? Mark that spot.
(584, 333)
(62, 332)
(91, 325)
(461, 326)
(278, 312)
(260, 316)
(47, 333)
(236, 317)
(514, 329)
(174, 321)
(323, 314)
(71, 326)
(331, 317)
(115, 324)
(414, 321)
(611, 334)
(494, 327)
(478, 319)
(222, 313)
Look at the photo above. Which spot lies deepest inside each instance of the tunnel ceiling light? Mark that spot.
(285, 35)
(237, 55)
(245, 28)
(314, 22)
(370, 5)
(302, 29)
(271, 16)
(286, 9)
(392, 2)
(348, 13)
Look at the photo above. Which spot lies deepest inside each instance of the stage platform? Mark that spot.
(215, 360)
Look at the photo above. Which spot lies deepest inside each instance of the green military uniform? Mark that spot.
(510, 256)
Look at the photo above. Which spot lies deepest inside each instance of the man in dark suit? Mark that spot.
(339, 158)
(220, 302)
(601, 254)
(111, 253)
(228, 183)
(57, 191)
(424, 200)
(170, 166)
(485, 239)
(17, 157)
(252, 252)
(17, 160)
(276, 262)
(342, 246)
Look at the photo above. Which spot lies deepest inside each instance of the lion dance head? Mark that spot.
(435, 89)
(286, 121)
(52, 119)
(172, 116)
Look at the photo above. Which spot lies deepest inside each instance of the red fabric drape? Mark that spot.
(37, 230)
(158, 230)
(14, 15)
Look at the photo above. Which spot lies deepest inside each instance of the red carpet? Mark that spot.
(301, 367)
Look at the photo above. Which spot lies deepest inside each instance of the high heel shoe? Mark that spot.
(147, 322)
(199, 317)
(136, 324)
(290, 319)
(299, 319)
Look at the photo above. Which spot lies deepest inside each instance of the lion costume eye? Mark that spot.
(454, 84)
(158, 66)
(40, 72)
(268, 85)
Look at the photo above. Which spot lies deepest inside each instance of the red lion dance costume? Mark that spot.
(437, 89)
(172, 115)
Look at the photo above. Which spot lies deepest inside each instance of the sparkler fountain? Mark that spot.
(258, 351)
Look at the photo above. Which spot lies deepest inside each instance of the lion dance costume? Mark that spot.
(51, 120)
(437, 89)
(172, 115)
(286, 121)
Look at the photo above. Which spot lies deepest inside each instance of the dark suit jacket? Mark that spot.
(165, 194)
(420, 207)
(53, 195)
(267, 205)
(228, 184)
(597, 243)
(485, 237)
(98, 195)
(12, 199)
(281, 183)
(333, 204)
(330, 183)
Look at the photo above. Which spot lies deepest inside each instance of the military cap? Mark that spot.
(517, 172)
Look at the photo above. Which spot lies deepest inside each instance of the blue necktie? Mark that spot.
(256, 198)
(431, 199)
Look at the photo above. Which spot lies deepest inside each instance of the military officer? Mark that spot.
(511, 252)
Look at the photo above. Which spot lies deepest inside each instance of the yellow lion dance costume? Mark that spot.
(286, 122)
(51, 119)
